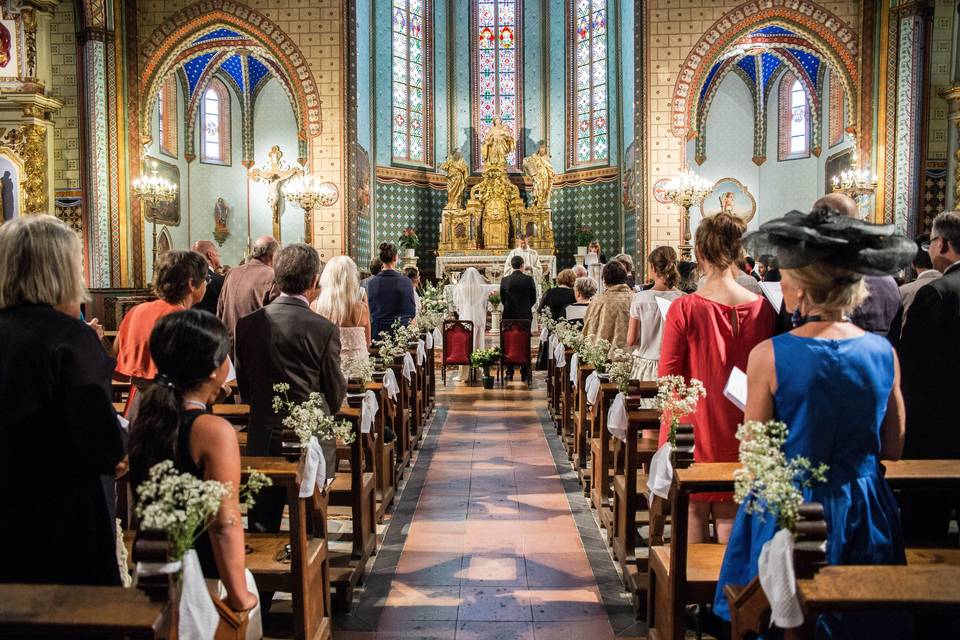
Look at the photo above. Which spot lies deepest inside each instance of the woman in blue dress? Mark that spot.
(838, 390)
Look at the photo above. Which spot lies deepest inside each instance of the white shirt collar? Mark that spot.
(298, 297)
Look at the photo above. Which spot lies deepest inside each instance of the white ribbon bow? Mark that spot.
(592, 385)
(198, 617)
(779, 581)
(552, 349)
(368, 411)
(574, 365)
(429, 340)
(421, 352)
(544, 335)
(313, 469)
(408, 366)
(661, 472)
(617, 417)
(559, 355)
(390, 384)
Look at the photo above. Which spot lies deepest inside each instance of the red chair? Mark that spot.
(457, 345)
(515, 348)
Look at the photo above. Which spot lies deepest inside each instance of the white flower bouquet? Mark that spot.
(310, 418)
(620, 369)
(357, 367)
(596, 354)
(769, 483)
(570, 335)
(545, 319)
(395, 343)
(676, 398)
(182, 505)
(434, 307)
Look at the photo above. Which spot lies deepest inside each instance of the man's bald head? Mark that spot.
(264, 248)
(839, 202)
(580, 271)
(209, 251)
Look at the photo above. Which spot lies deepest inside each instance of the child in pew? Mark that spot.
(837, 388)
(190, 350)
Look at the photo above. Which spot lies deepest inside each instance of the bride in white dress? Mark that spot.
(470, 300)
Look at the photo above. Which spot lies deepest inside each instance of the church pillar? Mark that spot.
(952, 96)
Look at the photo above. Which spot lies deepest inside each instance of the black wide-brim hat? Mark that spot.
(801, 239)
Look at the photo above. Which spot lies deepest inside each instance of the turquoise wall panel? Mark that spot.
(592, 204)
(401, 206)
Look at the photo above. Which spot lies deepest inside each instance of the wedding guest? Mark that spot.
(769, 268)
(645, 331)
(627, 261)
(414, 275)
(390, 294)
(688, 276)
(929, 351)
(214, 279)
(923, 266)
(608, 315)
(375, 267)
(340, 303)
(180, 281)
(248, 287)
(61, 439)
(286, 342)
(583, 290)
(750, 266)
(557, 298)
(837, 389)
(518, 294)
(705, 336)
(173, 423)
(579, 271)
(594, 248)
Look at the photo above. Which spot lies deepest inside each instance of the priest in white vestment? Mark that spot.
(470, 300)
(530, 257)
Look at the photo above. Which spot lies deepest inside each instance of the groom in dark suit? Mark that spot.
(286, 341)
(518, 292)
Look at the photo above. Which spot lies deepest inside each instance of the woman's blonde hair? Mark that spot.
(829, 288)
(339, 290)
(41, 262)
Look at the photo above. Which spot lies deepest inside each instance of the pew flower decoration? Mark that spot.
(395, 342)
(768, 482)
(621, 369)
(310, 418)
(357, 367)
(434, 307)
(182, 505)
(570, 335)
(596, 353)
(545, 319)
(676, 398)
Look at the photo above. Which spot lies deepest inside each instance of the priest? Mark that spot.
(531, 260)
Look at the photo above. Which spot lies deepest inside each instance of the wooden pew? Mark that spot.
(581, 411)
(681, 573)
(551, 386)
(383, 452)
(401, 424)
(566, 402)
(415, 389)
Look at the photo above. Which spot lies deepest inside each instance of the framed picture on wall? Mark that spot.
(168, 213)
(730, 195)
(835, 165)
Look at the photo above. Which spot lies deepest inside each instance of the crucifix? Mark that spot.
(275, 175)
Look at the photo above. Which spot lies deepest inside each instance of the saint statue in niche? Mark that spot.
(457, 171)
(539, 168)
(220, 229)
(498, 144)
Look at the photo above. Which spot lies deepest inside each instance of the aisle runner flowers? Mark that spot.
(770, 484)
(183, 506)
(312, 422)
(675, 399)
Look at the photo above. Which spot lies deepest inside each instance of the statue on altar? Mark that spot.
(538, 167)
(456, 169)
(498, 144)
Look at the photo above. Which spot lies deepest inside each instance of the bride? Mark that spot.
(470, 300)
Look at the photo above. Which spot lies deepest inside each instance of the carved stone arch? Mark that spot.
(835, 40)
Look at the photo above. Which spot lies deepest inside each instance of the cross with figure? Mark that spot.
(275, 175)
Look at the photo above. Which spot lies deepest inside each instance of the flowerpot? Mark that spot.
(409, 253)
(581, 251)
(488, 382)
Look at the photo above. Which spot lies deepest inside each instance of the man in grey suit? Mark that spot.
(286, 341)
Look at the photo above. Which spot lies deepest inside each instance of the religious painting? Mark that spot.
(9, 59)
(167, 213)
(361, 165)
(835, 165)
(5, 48)
(731, 196)
(220, 214)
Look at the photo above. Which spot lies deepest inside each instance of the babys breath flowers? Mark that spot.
(570, 335)
(596, 354)
(310, 418)
(621, 369)
(676, 398)
(357, 367)
(545, 319)
(768, 482)
(434, 307)
(395, 343)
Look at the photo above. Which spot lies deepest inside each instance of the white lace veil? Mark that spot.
(470, 298)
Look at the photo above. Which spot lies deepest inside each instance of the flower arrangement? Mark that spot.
(583, 234)
(310, 418)
(434, 307)
(395, 342)
(596, 354)
(494, 299)
(183, 505)
(569, 334)
(357, 367)
(545, 319)
(768, 482)
(409, 239)
(484, 358)
(621, 369)
(676, 398)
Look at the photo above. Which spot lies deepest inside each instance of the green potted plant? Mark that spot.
(483, 359)
(496, 311)
(583, 235)
(409, 241)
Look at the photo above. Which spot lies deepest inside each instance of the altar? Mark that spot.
(490, 266)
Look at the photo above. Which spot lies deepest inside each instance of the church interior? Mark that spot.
(470, 132)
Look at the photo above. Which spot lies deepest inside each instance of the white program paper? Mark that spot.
(736, 388)
(664, 305)
(774, 294)
(591, 259)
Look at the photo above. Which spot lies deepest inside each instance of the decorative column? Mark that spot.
(952, 96)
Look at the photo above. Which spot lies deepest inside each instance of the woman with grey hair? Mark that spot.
(583, 291)
(56, 398)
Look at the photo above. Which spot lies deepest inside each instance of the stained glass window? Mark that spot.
(215, 124)
(497, 67)
(590, 137)
(411, 80)
(794, 119)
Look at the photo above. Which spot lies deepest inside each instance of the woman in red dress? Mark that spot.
(705, 336)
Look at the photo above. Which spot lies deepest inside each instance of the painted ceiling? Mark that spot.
(200, 67)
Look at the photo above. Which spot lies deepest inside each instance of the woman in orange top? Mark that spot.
(180, 281)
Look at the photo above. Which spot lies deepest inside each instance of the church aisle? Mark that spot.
(492, 550)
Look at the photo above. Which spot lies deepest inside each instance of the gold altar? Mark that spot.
(495, 212)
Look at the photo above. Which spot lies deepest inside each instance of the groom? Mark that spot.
(518, 293)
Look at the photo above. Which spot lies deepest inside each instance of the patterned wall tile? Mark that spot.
(400, 206)
(597, 206)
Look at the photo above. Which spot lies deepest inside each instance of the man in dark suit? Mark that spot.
(518, 293)
(214, 280)
(929, 350)
(286, 341)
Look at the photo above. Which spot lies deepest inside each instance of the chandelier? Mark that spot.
(153, 191)
(307, 192)
(686, 190)
(854, 182)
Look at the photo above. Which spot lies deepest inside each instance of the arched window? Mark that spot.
(496, 69)
(794, 119)
(412, 81)
(215, 124)
(589, 138)
(167, 135)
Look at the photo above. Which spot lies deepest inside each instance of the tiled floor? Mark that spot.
(492, 550)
